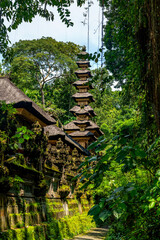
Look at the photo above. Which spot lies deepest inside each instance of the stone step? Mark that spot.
(93, 234)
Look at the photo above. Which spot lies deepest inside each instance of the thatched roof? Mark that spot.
(83, 53)
(71, 126)
(55, 132)
(11, 94)
(70, 140)
(84, 84)
(82, 122)
(82, 111)
(74, 125)
(88, 108)
(83, 62)
(77, 109)
(94, 126)
(83, 72)
(83, 95)
(81, 134)
(80, 82)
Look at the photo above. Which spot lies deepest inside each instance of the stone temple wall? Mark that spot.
(30, 213)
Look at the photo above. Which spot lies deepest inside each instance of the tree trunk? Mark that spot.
(42, 97)
(152, 58)
(154, 30)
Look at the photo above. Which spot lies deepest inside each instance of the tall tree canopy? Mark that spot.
(36, 63)
(15, 12)
(126, 170)
(132, 41)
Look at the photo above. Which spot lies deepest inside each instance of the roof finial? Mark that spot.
(84, 48)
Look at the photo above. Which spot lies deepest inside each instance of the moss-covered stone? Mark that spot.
(66, 227)
(72, 226)
(43, 219)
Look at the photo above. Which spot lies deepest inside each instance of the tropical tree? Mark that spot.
(132, 41)
(13, 13)
(124, 172)
(36, 63)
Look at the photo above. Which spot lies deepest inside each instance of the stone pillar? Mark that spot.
(3, 213)
(65, 207)
(79, 205)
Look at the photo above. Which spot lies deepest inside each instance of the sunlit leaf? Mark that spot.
(152, 204)
(95, 210)
(104, 215)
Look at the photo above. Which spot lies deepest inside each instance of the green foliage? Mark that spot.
(31, 232)
(10, 136)
(7, 130)
(54, 229)
(22, 134)
(31, 144)
(56, 95)
(12, 14)
(13, 138)
(123, 56)
(131, 54)
(43, 70)
(72, 226)
(123, 171)
(125, 179)
(66, 227)
(34, 147)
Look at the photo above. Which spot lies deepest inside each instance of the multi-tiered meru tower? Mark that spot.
(83, 130)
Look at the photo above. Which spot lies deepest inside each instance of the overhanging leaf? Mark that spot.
(104, 215)
(95, 210)
(152, 204)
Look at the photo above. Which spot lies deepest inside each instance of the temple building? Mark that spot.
(63, 155)
(43, 165)
(83, 130)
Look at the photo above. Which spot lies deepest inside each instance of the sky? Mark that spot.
(59, 31)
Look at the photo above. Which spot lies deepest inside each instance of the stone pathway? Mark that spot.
(93, 234)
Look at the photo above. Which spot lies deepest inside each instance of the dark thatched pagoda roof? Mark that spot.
(81, 134)
(80, 82)
(11, 94)
(74, 125)
(94, 126)
(68, 138)
(71, 126)
(82, 122)
(83, 53)
(82, 111)
(87, 108)
(54, 133)
(83, 62)
(83, 95)
(82, 72)
(90, 110)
